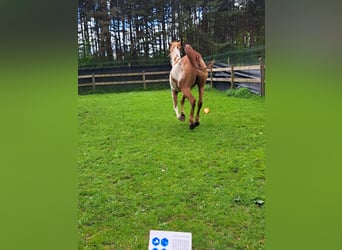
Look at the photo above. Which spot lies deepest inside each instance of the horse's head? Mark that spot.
(175, 50)
(175, 45)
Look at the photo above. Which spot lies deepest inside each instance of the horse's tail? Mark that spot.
(195, 59)
(210, 64)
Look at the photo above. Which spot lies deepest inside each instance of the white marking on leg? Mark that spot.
(175, 107)
(176, 111)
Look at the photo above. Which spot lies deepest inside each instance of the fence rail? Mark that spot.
(165, 77)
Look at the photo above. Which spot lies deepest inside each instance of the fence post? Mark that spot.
(144, 79)
(211, 77)
(262, 76)
(93, 81)
(232, 76)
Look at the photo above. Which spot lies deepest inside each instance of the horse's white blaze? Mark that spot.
(174, 55)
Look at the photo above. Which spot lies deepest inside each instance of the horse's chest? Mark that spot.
(177, 72)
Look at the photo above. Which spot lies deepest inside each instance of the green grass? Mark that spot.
(141, 169)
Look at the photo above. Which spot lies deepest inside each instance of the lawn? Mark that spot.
(141, 169)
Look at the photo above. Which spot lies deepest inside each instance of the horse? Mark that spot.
(187, 72)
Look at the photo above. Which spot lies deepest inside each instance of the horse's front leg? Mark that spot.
(182, 118)
(192, 100)
(175, 106)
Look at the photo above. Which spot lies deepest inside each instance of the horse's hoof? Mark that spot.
(192, 126)
(182, 118)
(197, 124)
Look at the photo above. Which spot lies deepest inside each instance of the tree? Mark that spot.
(135, 31)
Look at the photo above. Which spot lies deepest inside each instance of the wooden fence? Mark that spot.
(165, 77)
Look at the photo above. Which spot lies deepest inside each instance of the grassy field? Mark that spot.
(140, 169)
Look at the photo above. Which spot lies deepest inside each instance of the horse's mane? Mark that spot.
(195, 58)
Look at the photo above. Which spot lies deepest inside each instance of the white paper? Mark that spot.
(168, 240)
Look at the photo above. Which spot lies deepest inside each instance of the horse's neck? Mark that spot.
(175, 57)
(175, 60)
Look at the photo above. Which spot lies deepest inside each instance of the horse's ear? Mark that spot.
(180, 42)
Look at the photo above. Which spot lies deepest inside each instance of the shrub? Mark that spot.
(240, 92)
(230, 92)
(243, 92)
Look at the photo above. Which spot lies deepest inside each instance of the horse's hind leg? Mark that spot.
(199, 104)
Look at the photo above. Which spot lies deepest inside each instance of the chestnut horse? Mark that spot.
(186, 72)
